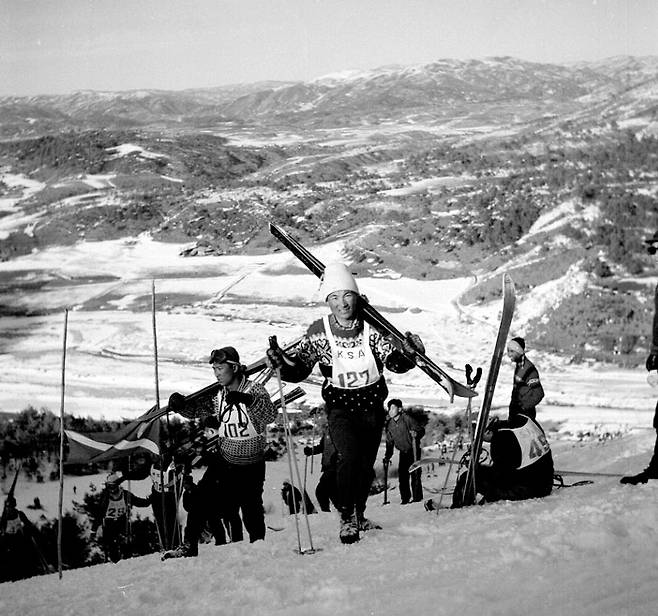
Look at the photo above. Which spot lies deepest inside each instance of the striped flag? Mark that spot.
(138, 436)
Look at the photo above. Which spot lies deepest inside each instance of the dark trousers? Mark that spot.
(496, 485)
(356, 436)
(205, 506)
(653, 465)
(165, 518)
(115, 539)
(244, 487)
(406, 459)
(325, 491)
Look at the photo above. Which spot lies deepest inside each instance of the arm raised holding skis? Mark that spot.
(351, 356)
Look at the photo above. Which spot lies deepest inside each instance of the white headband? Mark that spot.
(513, 345)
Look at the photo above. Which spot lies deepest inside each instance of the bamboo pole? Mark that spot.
(61, 450)
(166, 544)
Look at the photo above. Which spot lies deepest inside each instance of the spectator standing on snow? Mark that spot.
(404, 433)
(164, 502)
(114, 530)
(351, 356)
(21, 556)
(651, 471)
(527, 391)
(241, 411)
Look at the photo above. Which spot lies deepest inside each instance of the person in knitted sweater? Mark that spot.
(351, 356)
(239, 410)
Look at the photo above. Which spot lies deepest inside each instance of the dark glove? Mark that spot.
(412, 344)
(276, 358)
(493, 424)
(176, 402)
(308, 451)
(238, 397)
(652, 362)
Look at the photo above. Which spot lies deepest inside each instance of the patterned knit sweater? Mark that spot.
(261, 412)
(314, 348)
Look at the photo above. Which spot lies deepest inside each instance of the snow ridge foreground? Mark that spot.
(581, 551)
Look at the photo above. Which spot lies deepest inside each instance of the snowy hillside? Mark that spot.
(582, 551)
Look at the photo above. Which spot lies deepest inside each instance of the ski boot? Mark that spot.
(365, 524)
(349, 529)
(186, 550)
(643, 477)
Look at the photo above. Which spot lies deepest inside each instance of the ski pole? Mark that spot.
(472, 383)
(386, 501)
(292, 460)
(305, 469)
(315, 420)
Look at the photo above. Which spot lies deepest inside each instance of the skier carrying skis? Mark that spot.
(527, 391)
(325, 491)
(116, 503)
(351, 356)
(241, 409)
(404, 433)
(651, 471)
(522, 463)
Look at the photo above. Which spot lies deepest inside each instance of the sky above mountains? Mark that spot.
(58, 47)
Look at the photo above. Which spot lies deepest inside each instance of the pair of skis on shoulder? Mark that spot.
(377, 320)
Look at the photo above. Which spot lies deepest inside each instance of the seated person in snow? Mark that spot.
(522, 463)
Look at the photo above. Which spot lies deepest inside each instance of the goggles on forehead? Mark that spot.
(221, 356)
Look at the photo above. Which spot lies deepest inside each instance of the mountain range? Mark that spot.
(621, 88)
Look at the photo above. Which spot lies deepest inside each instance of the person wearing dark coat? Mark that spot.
(527, 391)
(21, 555)
(651, 471)
(116, 504)
(325, 491)
(522, 463)
(403, 432)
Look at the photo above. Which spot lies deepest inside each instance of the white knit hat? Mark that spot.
(337, 277)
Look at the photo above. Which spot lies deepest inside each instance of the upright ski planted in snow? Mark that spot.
(509, 300)
(374, 318)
